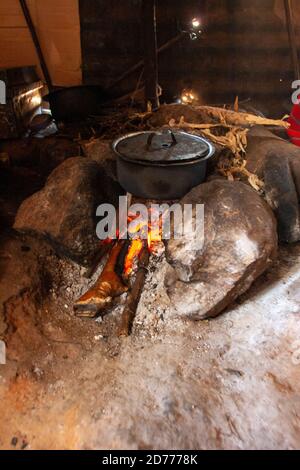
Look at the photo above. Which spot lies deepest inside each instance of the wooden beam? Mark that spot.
(36, 42)
(150, 53)
(292, 37)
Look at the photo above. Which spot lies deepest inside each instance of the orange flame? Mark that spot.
(153, 237)
(133, 253)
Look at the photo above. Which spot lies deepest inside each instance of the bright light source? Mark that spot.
(36, 100)
(195, 23)
(189, 96)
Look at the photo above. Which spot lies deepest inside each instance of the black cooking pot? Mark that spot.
(161, 165)
(76, 103)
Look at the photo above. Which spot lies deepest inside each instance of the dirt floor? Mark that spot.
(69, 383)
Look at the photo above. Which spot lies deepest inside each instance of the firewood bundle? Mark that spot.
(224, 127)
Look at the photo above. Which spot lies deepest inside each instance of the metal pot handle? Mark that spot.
(153, 134)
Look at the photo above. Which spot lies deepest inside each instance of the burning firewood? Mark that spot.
(134, 295)
(120, 267)
(108, 286)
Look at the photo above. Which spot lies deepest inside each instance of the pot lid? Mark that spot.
(164, 147)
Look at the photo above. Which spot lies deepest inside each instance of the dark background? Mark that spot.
(243, 51)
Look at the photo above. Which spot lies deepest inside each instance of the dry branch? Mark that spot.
(236, 167)
(233, 138)
(233, 118)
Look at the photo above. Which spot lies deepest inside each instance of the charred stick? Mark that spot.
(107, 287)
(119, 268)
(120, 265)
(134, 295)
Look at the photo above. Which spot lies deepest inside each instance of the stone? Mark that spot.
(277, 162)
(165, 113)
(21, 152)
(100, 151)
(281, 194)
(64, 211)
(42, 154)
(240, 243)
(55, 150)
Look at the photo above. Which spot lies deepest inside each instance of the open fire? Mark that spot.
(125, 268)
(140, 234)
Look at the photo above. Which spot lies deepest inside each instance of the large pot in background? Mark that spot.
(76, 103)
(161, 165)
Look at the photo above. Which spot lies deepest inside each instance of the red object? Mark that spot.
(294, 130)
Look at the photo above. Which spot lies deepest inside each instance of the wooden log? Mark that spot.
(107, 287)
(134, 295)
(233, 118)
(150, 48)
